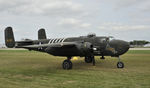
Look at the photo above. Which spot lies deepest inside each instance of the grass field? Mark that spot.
(25, 69)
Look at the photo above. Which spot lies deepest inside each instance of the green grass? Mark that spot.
(25, 69)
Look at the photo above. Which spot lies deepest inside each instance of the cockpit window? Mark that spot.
(106, 39)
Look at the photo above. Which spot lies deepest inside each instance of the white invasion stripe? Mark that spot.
(63, 40)
(53, 40)
(50, 41)
(59, 40)
(56, 40)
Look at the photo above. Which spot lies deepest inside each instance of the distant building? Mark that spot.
(147, 45)
(2, 46)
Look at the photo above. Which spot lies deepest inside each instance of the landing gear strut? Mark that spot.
(120, 64)
(93, 60)
(102, 57)
(67, 64)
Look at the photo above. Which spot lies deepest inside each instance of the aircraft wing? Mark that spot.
(63, 45)
(33, 46)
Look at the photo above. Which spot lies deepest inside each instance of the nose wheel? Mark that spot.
(67, 64)
(120, 64)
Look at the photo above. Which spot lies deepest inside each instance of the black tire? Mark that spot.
(120, 65)
(67, 64)
(88, 59)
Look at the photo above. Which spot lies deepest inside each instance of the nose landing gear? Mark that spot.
(120, 64)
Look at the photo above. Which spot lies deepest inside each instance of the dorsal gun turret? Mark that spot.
(91, 35)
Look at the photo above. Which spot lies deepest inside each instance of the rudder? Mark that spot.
(9, 37)
(41, 34)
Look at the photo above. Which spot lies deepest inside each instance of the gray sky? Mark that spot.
(123, 19)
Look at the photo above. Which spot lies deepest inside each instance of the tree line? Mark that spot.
(139, 42)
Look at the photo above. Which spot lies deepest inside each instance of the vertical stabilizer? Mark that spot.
(9, 37)
(41, 34)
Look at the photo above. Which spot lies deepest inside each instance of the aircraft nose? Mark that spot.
(120, 46)
(126, 46)
(123, 47)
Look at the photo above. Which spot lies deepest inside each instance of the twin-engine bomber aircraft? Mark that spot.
(83, 46)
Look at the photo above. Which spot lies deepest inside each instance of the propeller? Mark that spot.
(92, 54)
(88, 48)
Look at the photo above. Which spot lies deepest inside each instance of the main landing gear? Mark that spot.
(120, 64)
(90, 59)
(67, 64)
(102, 58)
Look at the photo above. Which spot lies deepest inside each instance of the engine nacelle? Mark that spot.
(85, 48)
(71, 49)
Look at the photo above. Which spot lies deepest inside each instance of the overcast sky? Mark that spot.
(123, 19)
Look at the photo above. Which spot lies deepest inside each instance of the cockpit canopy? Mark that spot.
(106, 39)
